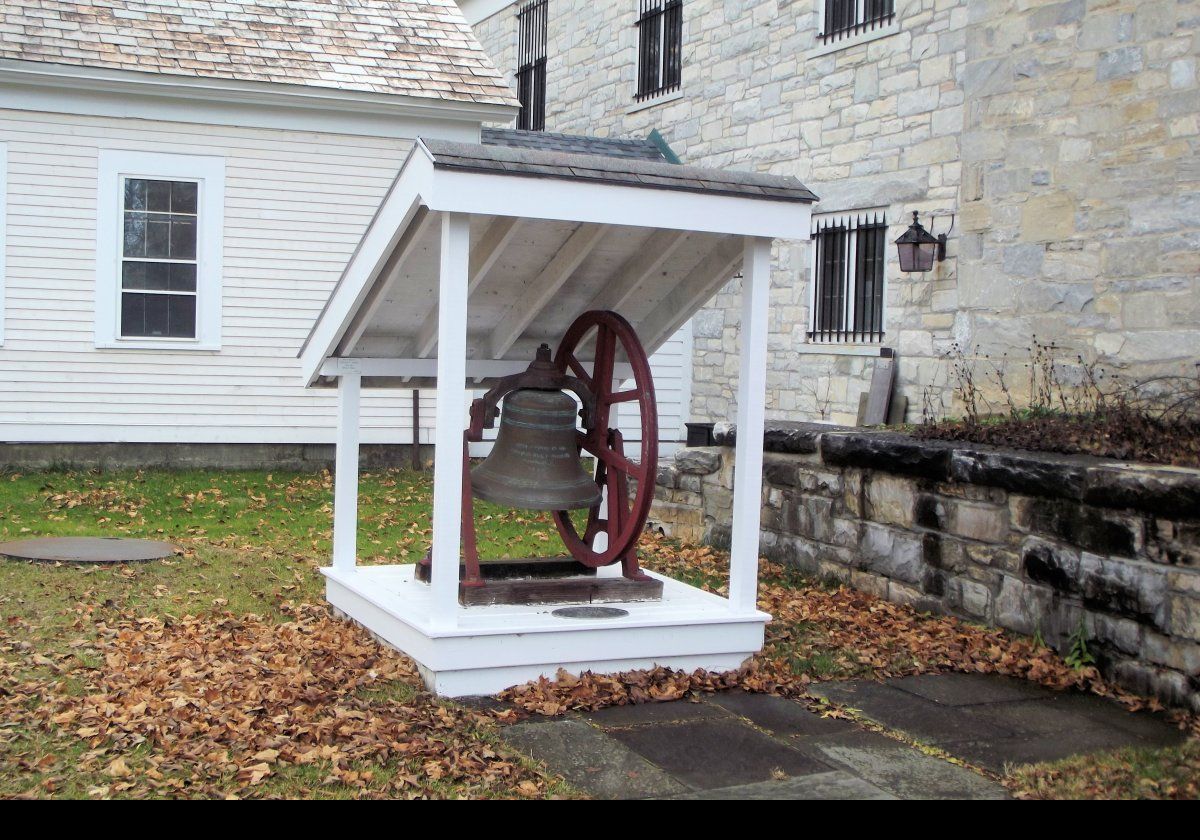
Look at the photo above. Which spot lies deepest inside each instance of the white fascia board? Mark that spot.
(408, 192)
(460, 191)
(478, 10)
(91, 91)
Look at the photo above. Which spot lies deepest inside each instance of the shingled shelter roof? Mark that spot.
(422, 49)
(546, 162)
(580, 144)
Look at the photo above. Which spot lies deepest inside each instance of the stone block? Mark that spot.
(1024, 259)
(930, 512)
(890, 499)
(892, 553)
(1179, 654)
(666, 476)
(698, 460)
(986, 523)
(779, 471)
(975, 599)
(718, 503)
(1022, 607)
(1089, 528)
(1171, 687)
(1183, 616)
(1052, 565)
(889, 452)
(1163, 491)
(1032, 474)
(1123, 588)
(1048, 218)
(708, 323)
(1121, 634)
(872, 584)
(821, 482)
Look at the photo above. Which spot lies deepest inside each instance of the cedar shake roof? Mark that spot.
(422, 49)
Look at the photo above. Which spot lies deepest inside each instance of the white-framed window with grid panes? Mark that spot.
(159, 240)
(847, 287)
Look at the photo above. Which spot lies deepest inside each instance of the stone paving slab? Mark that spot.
(644, 714)
(717, 753)
(779, 715)
(832, 785)
(996, 723)
(737, 745)
(969, 689)
(591, 760)
(906, 772)
(923, 719)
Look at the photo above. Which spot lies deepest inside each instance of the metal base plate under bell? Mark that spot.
(548, 580)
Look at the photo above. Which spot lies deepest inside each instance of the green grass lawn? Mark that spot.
(251, 546)
(256, 537)
(252, 542)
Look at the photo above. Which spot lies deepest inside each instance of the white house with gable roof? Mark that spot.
(182, 183)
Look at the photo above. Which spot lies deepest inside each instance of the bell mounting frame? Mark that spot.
(626, 515)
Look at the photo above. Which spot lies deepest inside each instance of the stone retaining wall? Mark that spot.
(1034, 543)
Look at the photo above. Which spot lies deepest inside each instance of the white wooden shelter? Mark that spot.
(478, 254)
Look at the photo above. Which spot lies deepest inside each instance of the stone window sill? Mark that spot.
(674, 96)
(853, 41)
(818, 349)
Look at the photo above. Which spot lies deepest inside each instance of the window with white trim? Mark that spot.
(846, 292)
(158, 258)
(159, 251)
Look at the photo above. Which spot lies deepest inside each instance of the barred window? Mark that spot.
(660, 47)
(846, 300)
(844, 18)
(531, 68)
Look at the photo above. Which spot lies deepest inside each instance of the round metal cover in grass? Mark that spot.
(590, 612)
(87, 550)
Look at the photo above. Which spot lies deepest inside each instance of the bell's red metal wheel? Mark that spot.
(611, 336)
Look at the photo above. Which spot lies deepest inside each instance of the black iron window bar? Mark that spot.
(846, 18)
(660, 47)
(532, 24)
(849, 260)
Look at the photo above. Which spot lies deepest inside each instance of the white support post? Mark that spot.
(752, 398)
(345, 476)
(451, 417)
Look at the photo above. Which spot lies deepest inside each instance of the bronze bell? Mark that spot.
(535, 461)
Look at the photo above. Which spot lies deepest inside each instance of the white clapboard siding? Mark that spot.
(296, 205)
(671, 367)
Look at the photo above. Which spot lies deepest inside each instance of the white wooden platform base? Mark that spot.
(495, 647)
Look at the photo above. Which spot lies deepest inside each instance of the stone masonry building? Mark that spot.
(1059, 137)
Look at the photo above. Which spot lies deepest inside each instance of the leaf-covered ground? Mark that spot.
(220, 672)
(1172, 773)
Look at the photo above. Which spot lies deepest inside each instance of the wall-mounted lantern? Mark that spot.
(919, 248)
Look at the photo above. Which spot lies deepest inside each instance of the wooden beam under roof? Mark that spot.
(536, 294)
(483, 256)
